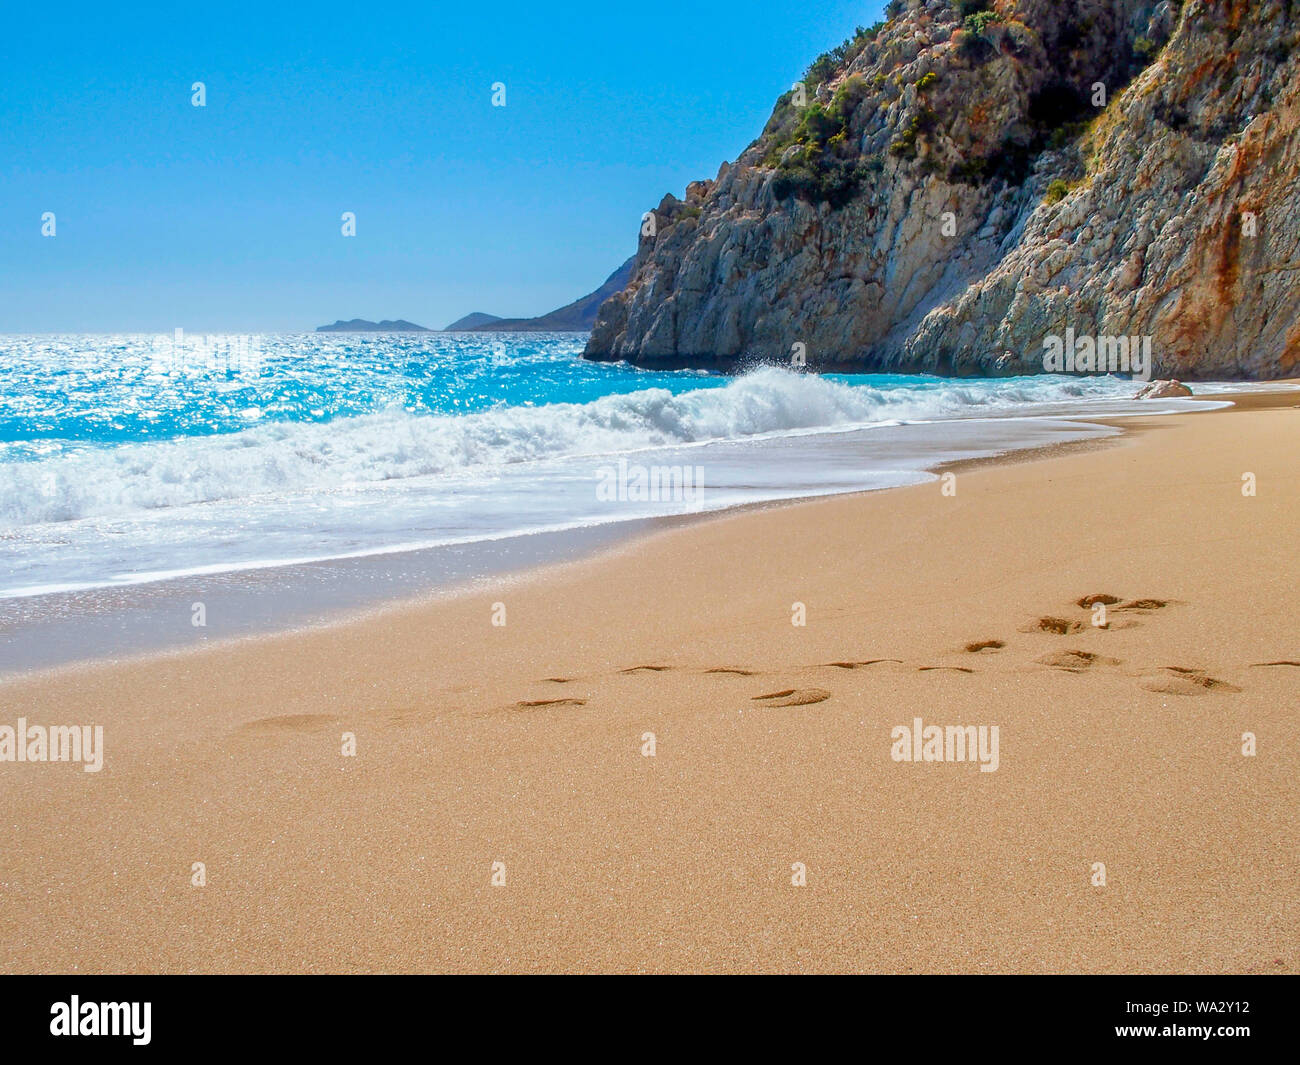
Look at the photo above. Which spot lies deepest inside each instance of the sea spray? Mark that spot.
(394, 444)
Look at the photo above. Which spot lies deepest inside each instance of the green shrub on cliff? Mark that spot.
(816, 127)
(851, 92)
(819, 171)
(979, 22)
(905, 143)
(820, 71)
(818, 124)
(1056, 191)
(971, 45)
(1066, 134)
(833, 181)
(1145, 50)
(828, 64)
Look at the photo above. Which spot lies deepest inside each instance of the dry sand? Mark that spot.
(523, 744)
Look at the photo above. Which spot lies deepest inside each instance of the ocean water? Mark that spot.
(131, 459)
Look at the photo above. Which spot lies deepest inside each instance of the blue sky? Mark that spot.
(227, 217)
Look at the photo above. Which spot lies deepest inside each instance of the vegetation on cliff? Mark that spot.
(945, 188)
(812, 141)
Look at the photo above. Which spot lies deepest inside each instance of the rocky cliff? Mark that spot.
(947, 189)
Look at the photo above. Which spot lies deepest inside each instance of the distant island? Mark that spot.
(360, 325)
(578, 316)
(473, 320)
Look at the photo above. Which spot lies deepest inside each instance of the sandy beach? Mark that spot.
(519, 751)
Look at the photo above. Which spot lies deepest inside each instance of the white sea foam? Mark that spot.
(296, 457)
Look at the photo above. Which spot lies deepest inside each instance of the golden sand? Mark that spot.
(523, 745)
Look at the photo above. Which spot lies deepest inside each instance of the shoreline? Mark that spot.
(84, 628)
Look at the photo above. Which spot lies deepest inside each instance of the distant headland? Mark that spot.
(578, 316)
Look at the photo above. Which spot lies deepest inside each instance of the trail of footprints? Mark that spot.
(1181, 680)
(1167, 680)
(1119, 614)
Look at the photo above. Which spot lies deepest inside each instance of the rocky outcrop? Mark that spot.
(1163, 390)
(968, 179)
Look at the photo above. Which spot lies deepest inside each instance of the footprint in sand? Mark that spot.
(733, 672)
(1076, 661)
(402, 716)
(646, 669)
(1105, 599)
(1056, 626)
(955, 669)
(1282, 662)
(984, 646)
(1181, 680)
(1089, 601)
(793, 697)
(863, 664)
(1144, 606)
(287, 723)
(532, 704)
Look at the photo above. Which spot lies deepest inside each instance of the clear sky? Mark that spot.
(227, 217)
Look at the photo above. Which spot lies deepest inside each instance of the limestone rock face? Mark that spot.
(947, 191)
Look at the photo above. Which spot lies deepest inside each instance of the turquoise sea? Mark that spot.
(129, 459)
